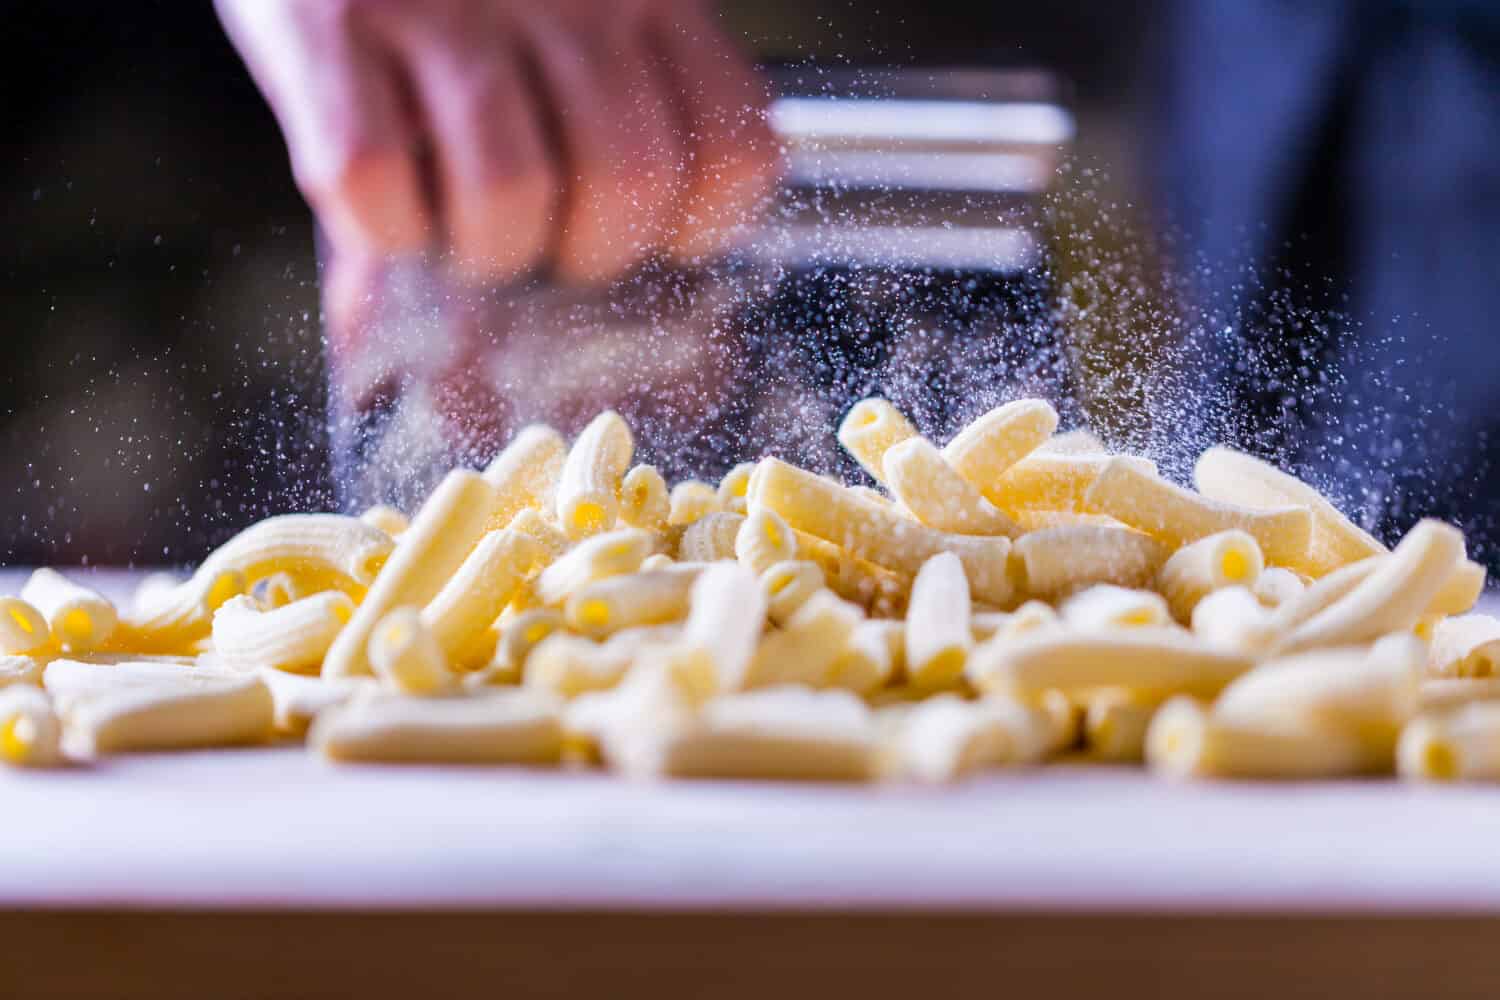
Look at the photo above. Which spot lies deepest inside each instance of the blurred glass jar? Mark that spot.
(903, 255)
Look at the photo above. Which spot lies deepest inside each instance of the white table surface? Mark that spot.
(278, 827)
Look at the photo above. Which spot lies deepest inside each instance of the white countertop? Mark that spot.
(278, 827)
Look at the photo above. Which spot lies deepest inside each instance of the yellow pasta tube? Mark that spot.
(1180, 517)
(763, 541)
(644, 502)
(567, 666)
(1115, 724)
(946, 738)
(1276, 585)
(867, 662)
(518, 637)
(852, 578)
(23, 629)
(588, 492)
(1437, 694)
(1232, 618)
(70, 681)
(460, 614)
(1045, 481)
(79, 617)
(443, 533)
(407, 656)
(1369, 692)
(1232, 477)
(1107, 606)
(1055, 562)
(1226, 559)
(814, 505)
(1392, 597)
(525, 474)
(783, 733)
(710, 538)
(385, 518)
(786, 586)
(690, 500)
(204, 711)
(870, 428)
(1465, 646)
(1152, 662)
(294, 637)
(1322, 593)
(1186, 741)
(806, 650)
(495, 727)
(733, 486)
(534, 525)
(30, 733)
(934, 492)
(606, 606)
(728, 613)
(1455, 746)
(984, 450)
(278, 590)
(613, 554)
(938, 639)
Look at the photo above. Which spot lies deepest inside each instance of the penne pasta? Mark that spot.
(1055, 483)
(442, 534)
(613, 554)
(601, 608)
(23, 629)
(30, 732)
(526, 473)
(728, 613)
(983, 451)
(1107, 606)
(945, 738)
(493, 727)
(294, 637)
(1465, 646)
(407, 656)
(644, 502)
(1226, 559)
(938, 637)
(1438, 694)
(588, 490)
(518, 637)
(1186, 741)
(1056, 562)
(79, 618)
(1463, 745)
(732, 488)
(711, 537)
(1180, 517)
(567, 666)
(867, 662)
(814, 505)
(690, 500)
(205, 709)
(25, 670)
(805, 650)
(1276, 585)
(386, 518)
(1233, 619)
(934, 492)
(298, 699)
(459, 615)
(1115, 723)
(763, 541)
(871, 428)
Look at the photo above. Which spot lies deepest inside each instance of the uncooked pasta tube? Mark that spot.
(984, 450)
(1466, 646)
(1115, 724)
(938, 638)
(613, 554)
(866, 662)
(201, 711)
(727, 614)
(1463, 745)
(787, 586)
(711, 537)
(497, 726)
(525, 474)
(23, 629)
(606, 606)
(934, 492)
(1226, 559)
(295, 637)
(764, 540)
(644, 502)
(1055, 562)
(1108, 606)
(732, 488)
(30, 733)
(870, 429)
(1186, 741)
(407, 656)
(945, 738)
(1053, 482)
(806, 650)
(387, 519)
(588, 490)
(1233, 619)
(690, 500)
(80, 618)
(459, 615)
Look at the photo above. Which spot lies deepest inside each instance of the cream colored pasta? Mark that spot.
(852, 578)
(497, 726)
(16, 669)
(383, 517)
(945, 738)
(983, 451)
(786, 586)
(1392, 597)
(79, 618)
(442, 534)
(518, 637)
(1465, 646)
(1115, 723)
(1153, 662)
(763, 541)
(206, 709)
(871, 428)
(806, 649)
(613, 554)
(1462, 745)
(407, 656)
(934, 492)
(1438, 694)
(30, 732)
(525, 474)
(1047, 481)
(534, 525)
(1226, 559)
(1108, 606)
(69, 681)
(725, 622)
(1180, 517)
(814, 505)
(733, 486)
(1233, 619)
(1460, 592)
(938, 639)
(1229, 476)
(690, 500)
(711, 537)
(278, 590)
(23, 629)
(588, 492)
(460, 614)
(1056, 562)
(866, 662)
(1275, 586)
(1186, 741)
(298, 699)
(644, 502)
(294, 637)
(568, 665)
(606, 606)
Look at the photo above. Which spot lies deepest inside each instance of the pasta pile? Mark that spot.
(1011, 597)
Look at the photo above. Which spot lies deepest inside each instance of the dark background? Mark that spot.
(163, 380)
